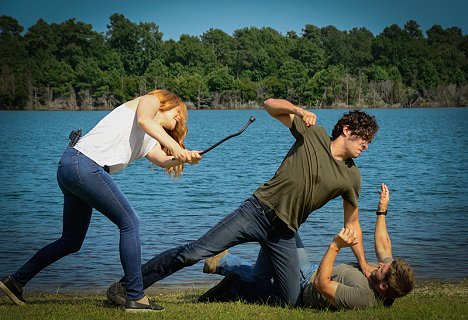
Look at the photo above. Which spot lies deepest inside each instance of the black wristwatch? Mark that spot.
(381, 213)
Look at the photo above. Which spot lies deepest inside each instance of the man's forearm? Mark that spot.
(382, 243)
(358, 249)
(351, 221)
(323, 278)
(324, 271)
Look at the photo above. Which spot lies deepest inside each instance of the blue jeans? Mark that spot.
(85, 185)
(256, 281)
(248, 223)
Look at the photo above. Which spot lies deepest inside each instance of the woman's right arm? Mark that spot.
(148, 107)
(161, 159)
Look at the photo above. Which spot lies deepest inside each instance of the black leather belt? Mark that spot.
(264, 206)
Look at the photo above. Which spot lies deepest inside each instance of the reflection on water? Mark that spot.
(419, 153)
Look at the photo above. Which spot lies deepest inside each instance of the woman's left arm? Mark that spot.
(161, 159)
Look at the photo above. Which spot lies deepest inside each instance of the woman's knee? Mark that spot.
(71, 245)
(131, 223)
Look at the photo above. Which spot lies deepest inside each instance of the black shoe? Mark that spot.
(135, 307)
(222, 291)
(117, 293)
(13, 290)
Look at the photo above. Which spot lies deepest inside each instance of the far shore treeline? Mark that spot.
(70, 66)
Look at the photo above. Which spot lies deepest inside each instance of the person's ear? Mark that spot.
(346, 132)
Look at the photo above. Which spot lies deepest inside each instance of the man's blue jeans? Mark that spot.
(256, 281)
(248, 223)
(85, 185)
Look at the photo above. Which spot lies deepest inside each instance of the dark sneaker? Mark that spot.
(222, 292)
(136, 307)
(13, 290)
(117, 293)
(212, 263)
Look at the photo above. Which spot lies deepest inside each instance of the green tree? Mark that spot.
(448, 55)
(190, 52)
(137, 45)
(54, 79)
(359, 43)
(335, 46)
(41, 37)
(90, 76)
(271, 86)
(401, 48)
(294, 75)
(247, 89)
(259, 52)
(412, 28)
(309, 53)
(113, 73)
(221, 45)
(313, 33)
(192, 87)
(13, 65)
(326, 87)
(220, 80)
(77, 40)
(157, 74)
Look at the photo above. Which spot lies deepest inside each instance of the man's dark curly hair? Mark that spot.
(360, 124)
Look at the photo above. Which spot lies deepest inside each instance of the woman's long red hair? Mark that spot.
(168, 101)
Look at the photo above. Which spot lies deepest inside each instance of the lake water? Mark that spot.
(420, 153)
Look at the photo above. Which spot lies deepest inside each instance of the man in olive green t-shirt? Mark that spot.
(318, 168)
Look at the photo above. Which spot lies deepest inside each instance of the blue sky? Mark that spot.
(176, 17)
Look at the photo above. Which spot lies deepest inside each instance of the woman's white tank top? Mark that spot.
(116, 140)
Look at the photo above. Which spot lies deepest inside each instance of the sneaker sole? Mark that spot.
(142, 310)
(115, 300)
(11, 295)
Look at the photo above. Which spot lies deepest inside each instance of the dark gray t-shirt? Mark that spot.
(309, 177)
(354, 290)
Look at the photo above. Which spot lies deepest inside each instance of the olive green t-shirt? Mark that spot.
(309, 177)
(353, 291)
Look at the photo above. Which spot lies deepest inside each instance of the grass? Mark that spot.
(430, 300)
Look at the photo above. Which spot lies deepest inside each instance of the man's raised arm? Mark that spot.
(284, 111)
(382, 243)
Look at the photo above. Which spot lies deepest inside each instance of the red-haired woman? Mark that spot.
(151, 126)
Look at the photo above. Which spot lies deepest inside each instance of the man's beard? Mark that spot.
(374, 281)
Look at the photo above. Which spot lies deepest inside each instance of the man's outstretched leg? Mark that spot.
(246, 224)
